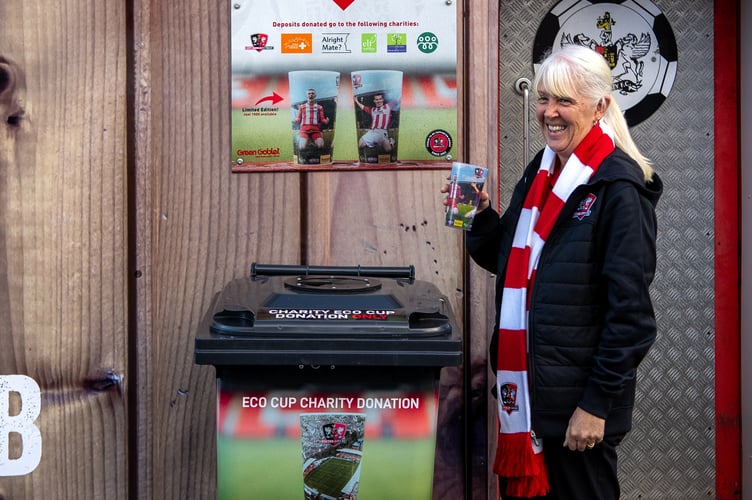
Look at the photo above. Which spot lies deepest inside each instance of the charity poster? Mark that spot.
(343, 84)
(316, 444)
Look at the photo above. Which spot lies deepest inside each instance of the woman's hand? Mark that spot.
(584, 431)
(483, 199)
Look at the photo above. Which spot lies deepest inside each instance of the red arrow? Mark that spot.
(343, 4)
(275, 98)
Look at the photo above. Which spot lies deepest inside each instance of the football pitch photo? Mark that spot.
(272, 469)
(331, 476)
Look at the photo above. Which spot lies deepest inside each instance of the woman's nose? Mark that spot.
(550, 108)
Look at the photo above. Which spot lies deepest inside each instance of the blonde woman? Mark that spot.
(574, 255)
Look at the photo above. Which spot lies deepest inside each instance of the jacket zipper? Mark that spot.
(530, 323)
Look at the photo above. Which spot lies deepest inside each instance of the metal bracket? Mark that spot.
(522, 85)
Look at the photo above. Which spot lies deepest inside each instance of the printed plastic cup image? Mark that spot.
(332, 450)
(465, 184)
(377, 95)
(313, 98)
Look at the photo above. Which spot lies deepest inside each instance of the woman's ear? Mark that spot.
(602, 106)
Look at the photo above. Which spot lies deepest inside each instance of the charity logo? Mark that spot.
(335, 43)
(297, 43)
(427, 42)
(509, 397)
(368, 43)
(438, 142)
(635, 38)
(586, 205)
(396, 42)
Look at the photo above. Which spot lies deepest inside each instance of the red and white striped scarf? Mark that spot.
(519, 455)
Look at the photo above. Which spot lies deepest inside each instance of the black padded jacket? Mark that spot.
(591, 319)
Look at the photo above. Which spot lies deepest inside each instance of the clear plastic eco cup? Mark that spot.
(377, 96)
(465, 184)
(313, 97)
(332, 445)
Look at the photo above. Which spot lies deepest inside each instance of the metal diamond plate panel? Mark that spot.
(670, 453)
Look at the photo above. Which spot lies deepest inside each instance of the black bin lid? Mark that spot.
(329, 315)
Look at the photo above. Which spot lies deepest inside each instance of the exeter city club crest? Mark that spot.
(509, 397)
(258, 41)
(635, 38)
(334, 433)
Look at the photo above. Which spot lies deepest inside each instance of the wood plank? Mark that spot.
(482, 121)
(202, 227)
(62, 286)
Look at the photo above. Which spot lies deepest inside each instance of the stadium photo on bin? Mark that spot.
(332, 445)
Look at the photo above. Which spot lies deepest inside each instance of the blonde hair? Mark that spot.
(578, 69)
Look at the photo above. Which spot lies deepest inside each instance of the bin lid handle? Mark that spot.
(370, 271)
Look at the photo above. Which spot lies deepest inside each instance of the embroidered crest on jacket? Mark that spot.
(585, 207)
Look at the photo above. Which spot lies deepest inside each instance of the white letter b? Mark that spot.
(22, 424)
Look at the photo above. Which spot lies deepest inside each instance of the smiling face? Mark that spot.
(566, 120)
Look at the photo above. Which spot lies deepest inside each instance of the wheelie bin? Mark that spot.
(327, 381)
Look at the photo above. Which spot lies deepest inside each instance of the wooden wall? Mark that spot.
(120, 219)
(63, 287)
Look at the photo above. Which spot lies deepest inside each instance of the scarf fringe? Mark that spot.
(523, 469)
(527, 487)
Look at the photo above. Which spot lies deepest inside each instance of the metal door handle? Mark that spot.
(522, 86)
